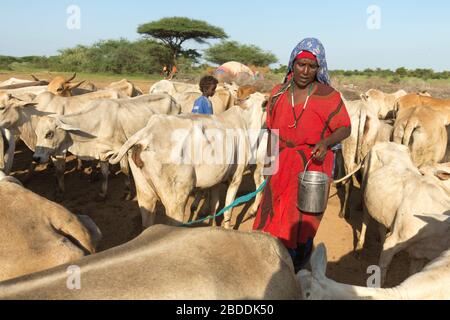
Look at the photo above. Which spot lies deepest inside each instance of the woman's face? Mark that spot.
(305, 72)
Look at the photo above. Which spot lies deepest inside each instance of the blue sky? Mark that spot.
(413, 34)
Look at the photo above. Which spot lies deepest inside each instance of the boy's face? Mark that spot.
(210, 90)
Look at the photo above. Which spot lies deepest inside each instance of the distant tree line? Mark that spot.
(425, 74)
(109, 56)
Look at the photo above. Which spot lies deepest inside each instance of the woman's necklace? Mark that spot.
(304, 106)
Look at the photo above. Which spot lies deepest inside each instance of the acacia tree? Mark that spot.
(174, 31)
(233, 51)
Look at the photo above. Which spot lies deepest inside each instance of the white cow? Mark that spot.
(20, 117)
(432, 283)
(364, 134)
(99, 130)
(12, 81)
(167, 263)
(36, 234)
(173, 155)
(172, 87)
(186, 94)
(394, 191)
(125, 88)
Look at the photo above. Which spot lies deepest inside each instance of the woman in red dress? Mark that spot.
(309, 117)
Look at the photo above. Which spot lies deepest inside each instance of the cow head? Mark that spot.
(439, 172)
(62, 87)
(311, 283)
(10, 108)
(52, 138)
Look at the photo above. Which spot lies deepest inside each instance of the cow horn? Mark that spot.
(73, 77)
(35, 78)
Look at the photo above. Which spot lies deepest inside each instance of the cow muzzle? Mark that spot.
(40, 156)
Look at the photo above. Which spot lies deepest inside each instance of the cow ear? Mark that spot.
(319, 261)
(62, 125)
(443, 175)
(29, 105)
(67, 127)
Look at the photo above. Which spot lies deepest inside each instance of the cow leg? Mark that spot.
(197, 199)
(126, 171)
(104, 167)
(259, 180)
(390, 248)
(215, 202)
(60, 168)
(146, 196)
(175, 205)
(80, 166)
(231, 195)
(147, 204)
(362, 236)
(9, 156)
(345, 210)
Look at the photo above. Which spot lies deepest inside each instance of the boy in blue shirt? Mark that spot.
(208, 86)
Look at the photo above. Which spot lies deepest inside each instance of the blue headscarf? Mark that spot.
(316, 47)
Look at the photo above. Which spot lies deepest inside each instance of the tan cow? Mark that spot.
(423, 130)
(63, 87)
(419, 100)
(382, 103)
(245, 91)
(36, 234)
(167, 263)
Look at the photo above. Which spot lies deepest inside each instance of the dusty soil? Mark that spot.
(120, 220)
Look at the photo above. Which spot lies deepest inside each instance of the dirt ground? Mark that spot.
(120, 220)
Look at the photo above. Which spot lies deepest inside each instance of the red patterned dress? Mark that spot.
(278, 213)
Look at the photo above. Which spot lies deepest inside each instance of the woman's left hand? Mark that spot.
(320, 151)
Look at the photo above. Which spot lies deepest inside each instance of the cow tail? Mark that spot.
(115, 159)
(360, 140)
(409, 130)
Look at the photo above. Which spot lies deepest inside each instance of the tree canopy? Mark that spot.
(174, 31)
(233, 51)
(115, 56)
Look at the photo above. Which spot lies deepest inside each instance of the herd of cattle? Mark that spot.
(396, 153)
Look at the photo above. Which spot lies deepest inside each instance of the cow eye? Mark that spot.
(60, 89)
(2, 108)
(49, 135)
